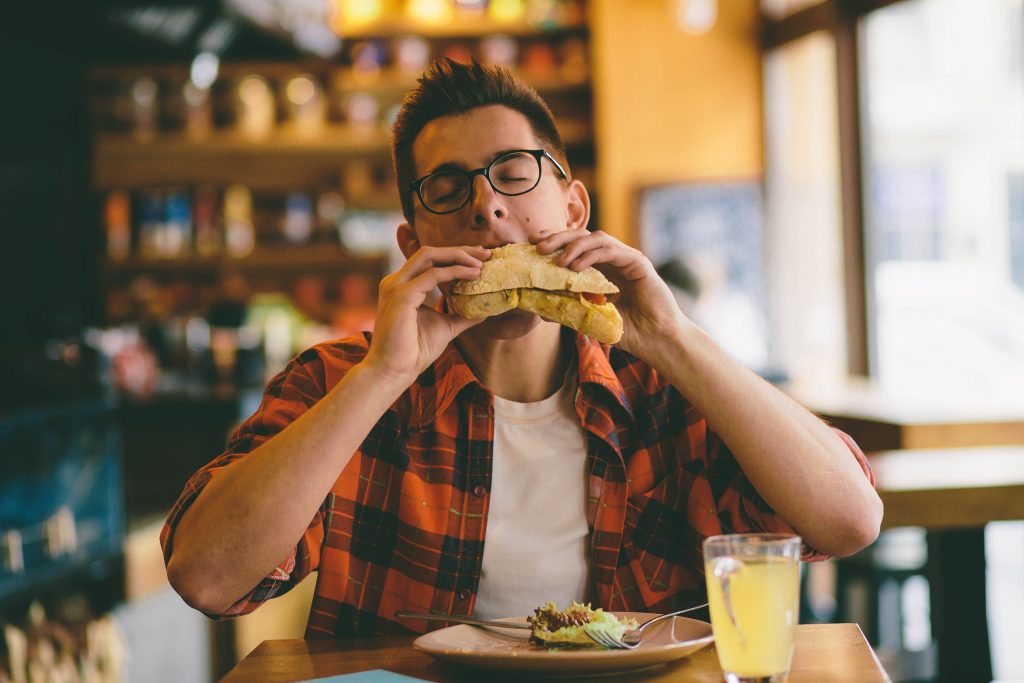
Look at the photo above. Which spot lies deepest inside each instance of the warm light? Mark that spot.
(254, 91)
(431, 11)
(349, 13)
(506, 11)
(696, 16)
(255, 106)
(301, 90)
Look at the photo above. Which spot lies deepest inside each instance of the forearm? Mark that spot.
(796, 462)
(253, 512)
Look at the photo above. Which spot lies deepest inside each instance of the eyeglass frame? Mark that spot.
(416, 186)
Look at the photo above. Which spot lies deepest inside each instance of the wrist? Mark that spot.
(673, 349)
(379, 380)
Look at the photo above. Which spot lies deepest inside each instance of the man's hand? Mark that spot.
(649, 311)
(409, 335)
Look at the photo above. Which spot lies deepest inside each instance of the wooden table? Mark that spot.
(954, 493)
(825, 653)
(883, 419)
(950, 488)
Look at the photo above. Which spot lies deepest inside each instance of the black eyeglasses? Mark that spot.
(511, 174)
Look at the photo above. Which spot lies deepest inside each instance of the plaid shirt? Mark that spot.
(403, 526)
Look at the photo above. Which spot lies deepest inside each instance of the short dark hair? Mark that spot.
(449, 87)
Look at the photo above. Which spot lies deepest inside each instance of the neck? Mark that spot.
(525, 369)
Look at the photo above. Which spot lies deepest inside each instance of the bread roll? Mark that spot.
(516, 276)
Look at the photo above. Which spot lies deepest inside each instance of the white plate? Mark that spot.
(510, 650)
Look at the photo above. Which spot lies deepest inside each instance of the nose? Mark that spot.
(486, 205)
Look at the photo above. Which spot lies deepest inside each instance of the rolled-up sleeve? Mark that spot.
(287, 396)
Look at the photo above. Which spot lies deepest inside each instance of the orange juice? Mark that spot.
(755, 640)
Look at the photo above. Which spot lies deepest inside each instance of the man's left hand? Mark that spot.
(649, 310)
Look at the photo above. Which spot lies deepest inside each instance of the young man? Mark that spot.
(488, 466)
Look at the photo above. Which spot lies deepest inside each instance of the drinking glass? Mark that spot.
(754, 595)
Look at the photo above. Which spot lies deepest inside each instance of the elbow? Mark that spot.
(861, 529)
(193, 586)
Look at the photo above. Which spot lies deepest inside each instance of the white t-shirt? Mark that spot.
(537, 538)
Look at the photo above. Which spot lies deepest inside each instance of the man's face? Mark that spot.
(472, 140)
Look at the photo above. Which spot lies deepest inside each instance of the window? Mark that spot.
(1016, 225)
(804, 234)
(940, 141)
(909, 202)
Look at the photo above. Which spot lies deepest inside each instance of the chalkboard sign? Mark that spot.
(707, 240)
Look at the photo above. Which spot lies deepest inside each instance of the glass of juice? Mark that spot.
(754, 596)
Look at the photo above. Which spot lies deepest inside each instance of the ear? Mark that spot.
(578, 206)
(407, 240)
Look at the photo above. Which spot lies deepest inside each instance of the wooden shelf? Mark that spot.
(389, 81)
(396, 83)
(284, 258)
(460, 27)
(283, 160)
(281, 141)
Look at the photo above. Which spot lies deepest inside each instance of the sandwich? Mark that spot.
(516, 276)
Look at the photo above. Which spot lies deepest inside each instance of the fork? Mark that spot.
(451, 618)
(631, 639)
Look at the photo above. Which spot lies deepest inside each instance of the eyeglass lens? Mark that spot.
(512, 174)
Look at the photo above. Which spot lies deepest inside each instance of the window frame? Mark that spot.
(840, 18)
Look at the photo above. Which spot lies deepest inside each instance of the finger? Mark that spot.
(548, 241)
(428, 280)
(609, 251)
(431, 257)
(604, 253)
(574, 249)
(541, 235)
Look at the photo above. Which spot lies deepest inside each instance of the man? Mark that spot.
(487, 466)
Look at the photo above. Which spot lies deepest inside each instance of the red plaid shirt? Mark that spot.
(403, 526)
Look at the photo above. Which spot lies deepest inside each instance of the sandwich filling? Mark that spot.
(516, 276)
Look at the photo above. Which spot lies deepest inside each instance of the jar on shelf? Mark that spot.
(305, 102)
(255, 111)
(145, 107)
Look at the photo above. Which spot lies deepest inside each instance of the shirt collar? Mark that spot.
(434, 390)
(596, 368)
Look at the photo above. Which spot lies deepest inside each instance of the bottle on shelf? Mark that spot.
(145, 109)
(176, 236)
(204, 216)
(150, 223)
(118, 225)
(297, 226)
(239, 232)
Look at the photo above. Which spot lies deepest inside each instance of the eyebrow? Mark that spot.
(455, 166)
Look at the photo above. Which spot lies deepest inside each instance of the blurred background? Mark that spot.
(193, 191)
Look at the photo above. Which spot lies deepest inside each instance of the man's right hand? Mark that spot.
(409, 335)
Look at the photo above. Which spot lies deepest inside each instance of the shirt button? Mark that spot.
(464, 594)
(479, 490)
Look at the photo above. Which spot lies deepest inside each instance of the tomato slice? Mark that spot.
(594, 298)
